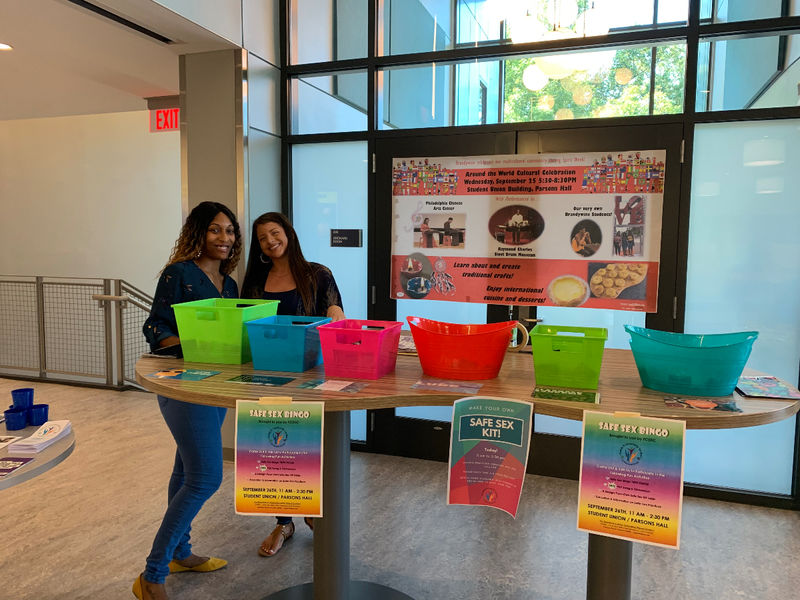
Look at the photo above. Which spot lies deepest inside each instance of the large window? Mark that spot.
(501, 70)
(742, 276)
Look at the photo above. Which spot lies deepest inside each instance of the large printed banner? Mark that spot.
(631, 481)
(279, 458)
(541, 229)
(489, 452)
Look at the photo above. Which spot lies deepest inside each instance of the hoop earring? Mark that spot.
(261, 258)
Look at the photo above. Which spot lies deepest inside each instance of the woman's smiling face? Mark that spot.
(272, 239)
(220, 237)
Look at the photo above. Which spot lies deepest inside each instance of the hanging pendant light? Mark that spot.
(623, 75)
(533, 78)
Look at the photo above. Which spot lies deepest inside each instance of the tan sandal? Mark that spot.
(275, 540)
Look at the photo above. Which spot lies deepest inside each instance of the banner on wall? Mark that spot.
(278, 459)
(631, 478)
(489, 447)
(542, 229)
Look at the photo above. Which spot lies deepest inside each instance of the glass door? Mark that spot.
(425, 432)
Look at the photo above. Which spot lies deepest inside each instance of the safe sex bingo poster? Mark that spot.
(631, 480)
(542, 229)
(489, 452)
(279, 458)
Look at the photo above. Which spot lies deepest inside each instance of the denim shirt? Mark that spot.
(181, 282)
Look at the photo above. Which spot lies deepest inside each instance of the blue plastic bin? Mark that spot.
(285, 342)
(695, 365)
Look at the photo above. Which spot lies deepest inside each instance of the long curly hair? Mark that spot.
(258, 266)
(192, 239)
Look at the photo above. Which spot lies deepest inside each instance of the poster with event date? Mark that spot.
(542, 229)
(278, 458)
(631, 478)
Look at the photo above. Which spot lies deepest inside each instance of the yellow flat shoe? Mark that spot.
(212, 564)
(137, 587)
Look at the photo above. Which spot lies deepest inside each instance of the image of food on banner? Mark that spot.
(545, 229)
(631, 478)
(489, 452)
(278, 464)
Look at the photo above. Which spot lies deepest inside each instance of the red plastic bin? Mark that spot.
(360, 349)
(465, 352)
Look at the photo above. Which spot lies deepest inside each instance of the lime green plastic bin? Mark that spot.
(568, 356)
(213, 331)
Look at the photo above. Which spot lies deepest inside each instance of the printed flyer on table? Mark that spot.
(631, 478)
(279, 458)
(542, 229)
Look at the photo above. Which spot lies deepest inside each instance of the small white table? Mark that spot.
(42, 461)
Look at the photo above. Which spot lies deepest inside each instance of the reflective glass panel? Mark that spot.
(729, 11)
(329, 103)
(413, 26)
(329, 191)
(759, 72)
(581, 85)
(326, 30)
(742, 276)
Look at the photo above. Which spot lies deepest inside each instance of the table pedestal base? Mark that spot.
(359, 590)
(608, 572)
(332, 531)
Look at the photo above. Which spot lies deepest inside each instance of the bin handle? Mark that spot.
(206, 315)
(525, 337)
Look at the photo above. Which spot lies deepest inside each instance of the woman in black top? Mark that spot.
(277, 270)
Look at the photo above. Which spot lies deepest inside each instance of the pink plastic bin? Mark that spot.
(359, 349)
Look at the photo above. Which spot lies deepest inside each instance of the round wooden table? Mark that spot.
(609, 559)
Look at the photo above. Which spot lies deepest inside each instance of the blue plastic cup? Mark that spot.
(16, 418)
(22, 398)
(37, 414)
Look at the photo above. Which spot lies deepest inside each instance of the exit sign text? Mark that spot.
(165, 119)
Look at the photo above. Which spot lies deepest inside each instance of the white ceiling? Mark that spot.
(68, 60)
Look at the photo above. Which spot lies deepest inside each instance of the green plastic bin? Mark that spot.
(568, 356)
(213, 331)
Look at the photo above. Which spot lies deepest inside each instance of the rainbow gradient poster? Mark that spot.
(278, 461)
(631, 479)
(489, 452)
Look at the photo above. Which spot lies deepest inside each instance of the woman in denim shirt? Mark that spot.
(206, 252)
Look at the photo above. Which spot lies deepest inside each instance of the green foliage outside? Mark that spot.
(602, 95)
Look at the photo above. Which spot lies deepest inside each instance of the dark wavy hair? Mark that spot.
(192, 238)
(258, 265)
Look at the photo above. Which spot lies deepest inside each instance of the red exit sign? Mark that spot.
(165, 119)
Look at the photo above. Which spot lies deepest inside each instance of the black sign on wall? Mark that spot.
(346, 238)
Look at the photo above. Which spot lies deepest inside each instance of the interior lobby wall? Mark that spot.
(89, 196)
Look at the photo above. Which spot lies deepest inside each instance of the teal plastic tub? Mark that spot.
(213, 331)
(285, 342)
(695, 365)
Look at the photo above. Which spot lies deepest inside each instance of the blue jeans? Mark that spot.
(197, 474)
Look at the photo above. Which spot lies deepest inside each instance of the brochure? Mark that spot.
(333, 385)
(766, 387)
(184, 374)
(446, 385)
(50, 432)
(722, 404)
(547, 392)
(261, 379)
(5, 440)
(9, 464)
